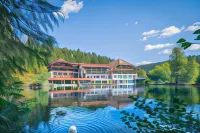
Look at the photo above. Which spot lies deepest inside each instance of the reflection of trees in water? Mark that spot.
(190, 94)
(163, 117)
(40, 110)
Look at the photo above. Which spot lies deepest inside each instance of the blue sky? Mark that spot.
(141, 31)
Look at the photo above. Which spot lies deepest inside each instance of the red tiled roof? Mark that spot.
(96, 65)
(113, 64)
(59, 60)
(69, 67)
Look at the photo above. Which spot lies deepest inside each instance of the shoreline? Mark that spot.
(176, 84)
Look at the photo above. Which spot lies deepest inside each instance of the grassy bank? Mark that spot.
(30, 78)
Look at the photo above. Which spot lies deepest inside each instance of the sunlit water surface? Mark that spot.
(104, 116)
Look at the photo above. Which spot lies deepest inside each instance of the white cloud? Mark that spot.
(157, 46)
(144, 63)
(144, 38)
(126, 24)
(136, 22)
(171, 31)
(193, 27)
(166, 52)
(70, 6)
(150, 33)
(197, 23)
(194, 47)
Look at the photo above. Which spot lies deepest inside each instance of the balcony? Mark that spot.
(63, 76)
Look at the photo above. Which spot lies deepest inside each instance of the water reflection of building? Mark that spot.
(67, 75)
(114, 97)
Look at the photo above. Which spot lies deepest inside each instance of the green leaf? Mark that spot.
(181, 40)
(198, 37)
(197, 31)
(186, 45)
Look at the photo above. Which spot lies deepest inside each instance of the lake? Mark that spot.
(96, 110)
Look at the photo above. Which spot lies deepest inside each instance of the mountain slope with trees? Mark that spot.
(151, 66)
(179, 69)
(68, 55)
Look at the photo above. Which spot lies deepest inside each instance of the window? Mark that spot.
(130, 86)
(54, 73)
(104, 82)
(119, 76)
(59, 73)
(98, 86)
(102, 77)
(57, 81)
(98, 82)
(124, 86)
(104, 86)
(97, 76)
(115, 76)
(130, 81)
(64, 73)
(125, 76)
(130, 77)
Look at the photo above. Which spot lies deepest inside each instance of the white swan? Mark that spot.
(72, 129)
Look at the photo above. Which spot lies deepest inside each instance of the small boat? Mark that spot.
(72, 129)
(61, 113)
(35, 86)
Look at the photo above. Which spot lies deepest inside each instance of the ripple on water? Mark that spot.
(86, 121)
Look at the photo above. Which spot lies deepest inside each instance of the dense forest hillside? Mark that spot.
(151, 66)
(39, 74)
(78, 56)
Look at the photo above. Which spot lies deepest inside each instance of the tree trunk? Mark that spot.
(177, 79)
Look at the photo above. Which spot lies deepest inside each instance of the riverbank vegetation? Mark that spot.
(178, 70)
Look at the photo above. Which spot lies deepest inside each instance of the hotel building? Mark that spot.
(117, 74)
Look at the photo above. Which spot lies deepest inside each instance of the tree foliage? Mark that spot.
(157, 116)
(179, 69)
(178, 62)
(77, 56)
(192, 71)
(21, 20)
(161, 72)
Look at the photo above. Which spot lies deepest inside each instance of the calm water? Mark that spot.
(96, 110)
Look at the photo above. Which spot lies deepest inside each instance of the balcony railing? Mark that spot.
(63, 76)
